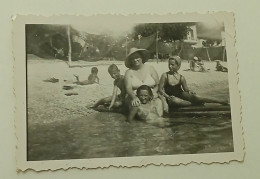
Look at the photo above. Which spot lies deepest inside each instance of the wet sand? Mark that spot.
(62, 127)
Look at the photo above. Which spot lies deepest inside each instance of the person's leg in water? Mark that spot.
(178, 102)
(118, 103)
(157, 121)
(102, 101)
(198, 100)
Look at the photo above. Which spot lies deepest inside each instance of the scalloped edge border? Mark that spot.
(125, 162)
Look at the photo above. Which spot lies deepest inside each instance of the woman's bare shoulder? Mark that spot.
(148, 66)
(128, 72)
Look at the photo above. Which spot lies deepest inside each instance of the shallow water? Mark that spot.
(107, 135)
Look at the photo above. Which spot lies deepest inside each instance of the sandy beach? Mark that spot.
(47, 101)
(56, 120)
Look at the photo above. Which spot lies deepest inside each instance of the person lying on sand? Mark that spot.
(114, 100)
(147, 111)
(92, 78)
(220, 67)
(174, 88)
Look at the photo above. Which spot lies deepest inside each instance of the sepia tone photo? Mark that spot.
(110, 88)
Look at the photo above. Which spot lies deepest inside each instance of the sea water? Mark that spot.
(109, 135)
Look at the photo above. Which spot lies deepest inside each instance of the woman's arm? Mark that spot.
(97, 80)
(161, 86)
(129, 89)
(128, 85)
(113, 97)
(196, 64)
(185, 86)
(154, 75)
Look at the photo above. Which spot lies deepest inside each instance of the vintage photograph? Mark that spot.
(128, 88)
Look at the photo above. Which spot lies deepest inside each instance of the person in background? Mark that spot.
(220, 67)
(196, 64)
(92, 78)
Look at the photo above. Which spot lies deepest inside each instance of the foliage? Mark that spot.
(167, 32)
(51, 41)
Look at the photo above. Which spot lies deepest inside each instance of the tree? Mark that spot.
(167, 32)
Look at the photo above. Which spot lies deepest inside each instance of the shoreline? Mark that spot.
(47, 101)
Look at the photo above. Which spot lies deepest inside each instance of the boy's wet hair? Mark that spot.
(94, 70)
(112, 68)
(145, 87)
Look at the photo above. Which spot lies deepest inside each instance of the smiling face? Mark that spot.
(136, 60)
(173, 65)
(144, 96)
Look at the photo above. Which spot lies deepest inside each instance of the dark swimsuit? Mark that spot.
(177, 91)
(173, 90)
(120, 83)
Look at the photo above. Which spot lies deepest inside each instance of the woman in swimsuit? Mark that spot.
(140, 74)
(174, 88)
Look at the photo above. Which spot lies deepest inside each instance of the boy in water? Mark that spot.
(114, 100)
(147, 110)
(174, 88)
(92, 78)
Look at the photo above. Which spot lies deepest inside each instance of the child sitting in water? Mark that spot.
(220, 67)
(146, 111)
(174, 88)
(114, 100)
(92, 78)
